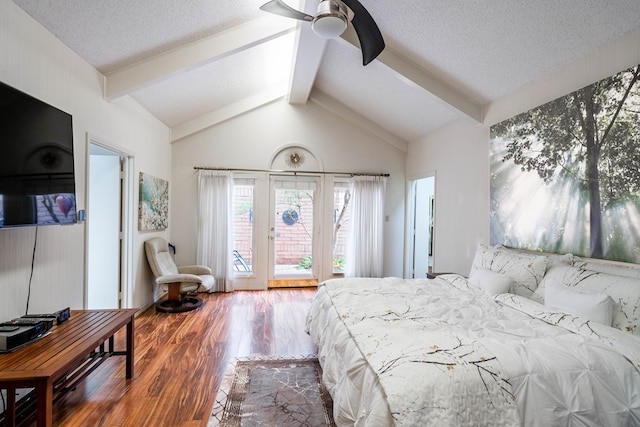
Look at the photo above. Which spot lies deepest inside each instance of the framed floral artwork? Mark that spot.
(153, 210)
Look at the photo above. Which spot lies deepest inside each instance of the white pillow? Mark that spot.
(526, 270)
(490, 282)
(556, 270)
(607, 267)
(596, 307)
(625, 292)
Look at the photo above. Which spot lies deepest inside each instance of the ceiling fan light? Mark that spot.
(329, 26)
(331, 19)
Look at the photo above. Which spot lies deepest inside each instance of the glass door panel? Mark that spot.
(250, 216)
(341, 213)
(243, 227)
(293, 227)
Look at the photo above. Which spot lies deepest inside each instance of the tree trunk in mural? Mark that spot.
(589, 129)
(591, 136)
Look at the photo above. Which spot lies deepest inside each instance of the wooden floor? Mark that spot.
(180, 359)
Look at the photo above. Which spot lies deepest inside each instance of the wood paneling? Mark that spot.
(180, 359)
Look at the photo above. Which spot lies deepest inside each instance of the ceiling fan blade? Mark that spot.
(279, 7)
(371, 41)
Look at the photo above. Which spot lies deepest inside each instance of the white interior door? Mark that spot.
(103, 229)
(421, 229)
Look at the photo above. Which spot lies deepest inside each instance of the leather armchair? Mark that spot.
(178, 282)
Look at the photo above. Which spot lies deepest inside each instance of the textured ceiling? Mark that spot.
(373, 91)
(195, 92)
(444, 59)
(112, 34)
(491, 47)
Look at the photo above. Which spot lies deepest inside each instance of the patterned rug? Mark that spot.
(267, 391)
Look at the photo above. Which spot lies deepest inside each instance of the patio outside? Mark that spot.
(293, 229)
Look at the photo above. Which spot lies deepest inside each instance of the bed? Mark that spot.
(526, 339)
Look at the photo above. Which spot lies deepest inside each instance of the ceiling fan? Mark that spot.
(331, 20)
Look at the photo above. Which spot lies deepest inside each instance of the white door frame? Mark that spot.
(257, 278)
(317, 220)
(127, 220)
(410, 220)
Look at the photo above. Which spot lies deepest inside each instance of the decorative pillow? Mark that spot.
(490, 282)
(526, 270)
(597, 307)
(617, 269)
(557, 266)
(624, 291)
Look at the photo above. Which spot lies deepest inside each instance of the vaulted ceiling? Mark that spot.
(196, 63)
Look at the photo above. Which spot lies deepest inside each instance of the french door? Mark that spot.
(288, 232)
(294, 231)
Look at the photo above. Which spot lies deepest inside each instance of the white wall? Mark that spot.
(459, 152)
(459, 155)
(250, 141)
(39, 64)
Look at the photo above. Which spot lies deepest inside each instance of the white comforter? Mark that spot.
(440, 352)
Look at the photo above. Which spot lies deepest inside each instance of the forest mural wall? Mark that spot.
(565, 176)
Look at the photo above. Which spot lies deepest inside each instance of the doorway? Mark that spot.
(420, 259)
(293, 246)
(108, 227)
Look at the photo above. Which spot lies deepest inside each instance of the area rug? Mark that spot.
(268, 391)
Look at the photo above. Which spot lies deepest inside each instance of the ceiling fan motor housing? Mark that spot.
(331, 19)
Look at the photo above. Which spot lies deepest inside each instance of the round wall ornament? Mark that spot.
(294, 158)
(290, 216)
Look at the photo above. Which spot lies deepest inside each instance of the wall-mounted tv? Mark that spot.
(37, 181)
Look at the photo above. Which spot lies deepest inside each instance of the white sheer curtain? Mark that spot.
(215, 226)
(365, 250)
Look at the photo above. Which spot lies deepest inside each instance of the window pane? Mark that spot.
(243, 228)
(293, 232)
(341, 208)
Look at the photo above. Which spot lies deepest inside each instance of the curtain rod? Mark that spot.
(291, 172)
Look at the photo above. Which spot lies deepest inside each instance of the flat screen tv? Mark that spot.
(37, 181)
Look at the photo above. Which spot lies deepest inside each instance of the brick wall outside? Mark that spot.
(243, 221)
(293, 242)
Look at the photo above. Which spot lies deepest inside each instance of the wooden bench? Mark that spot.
(66, 355)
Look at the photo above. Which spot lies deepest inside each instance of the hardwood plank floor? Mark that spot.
(180, 359)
